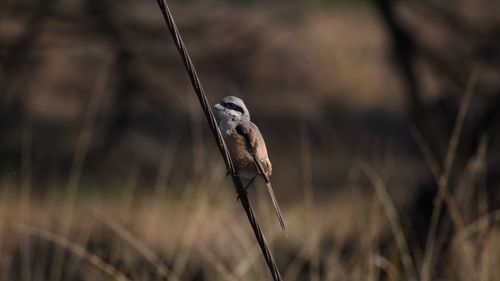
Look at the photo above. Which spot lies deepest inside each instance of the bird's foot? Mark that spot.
(238, 196)
(246, 188)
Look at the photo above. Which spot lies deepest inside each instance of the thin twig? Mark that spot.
(217, 264)
(134, 242)
(82, 147)
(429, 157)
(384, 264)
(393, 217)
(80, 251)
(478, 225)
(200, 93)
(307, 176)
(443, 181)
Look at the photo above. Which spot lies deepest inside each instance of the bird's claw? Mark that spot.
(238, 197)
(245, 188)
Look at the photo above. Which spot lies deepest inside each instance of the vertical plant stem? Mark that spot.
(26, 173)
(82, 146)
(394, 221)
(443, 182)
(305, 148)
(181, 48)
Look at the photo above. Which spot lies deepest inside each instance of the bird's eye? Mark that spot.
(232, 106)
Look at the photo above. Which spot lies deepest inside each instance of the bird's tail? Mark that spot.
(276, 207)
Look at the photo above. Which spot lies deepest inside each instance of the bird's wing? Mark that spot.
(255, 145)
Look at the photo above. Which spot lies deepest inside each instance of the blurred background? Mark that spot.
(380, 116)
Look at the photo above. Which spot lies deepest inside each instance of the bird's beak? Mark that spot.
(218, 106)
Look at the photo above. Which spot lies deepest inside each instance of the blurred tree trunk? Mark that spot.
(437, 46)
(16, 68)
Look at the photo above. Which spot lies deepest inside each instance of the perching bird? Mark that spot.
(246, 145)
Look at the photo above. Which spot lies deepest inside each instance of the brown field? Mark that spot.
(201, 233)
(108, 170)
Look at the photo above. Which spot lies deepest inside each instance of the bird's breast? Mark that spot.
(242, 158)
(237, 146)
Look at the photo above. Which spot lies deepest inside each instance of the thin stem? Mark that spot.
(200, 93)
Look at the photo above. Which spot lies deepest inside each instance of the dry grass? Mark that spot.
(204, 235)
(159, 230)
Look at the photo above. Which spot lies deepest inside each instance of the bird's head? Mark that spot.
(232, 107)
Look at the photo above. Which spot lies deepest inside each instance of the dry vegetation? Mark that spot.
(154, 204)
(202, 234)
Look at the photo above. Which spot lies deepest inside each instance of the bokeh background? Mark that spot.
(380, 117)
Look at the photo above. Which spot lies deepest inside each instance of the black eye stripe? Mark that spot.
(233, 106)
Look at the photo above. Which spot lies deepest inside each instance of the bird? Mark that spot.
(246, 146)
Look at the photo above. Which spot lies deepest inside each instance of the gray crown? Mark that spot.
(232, 102)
